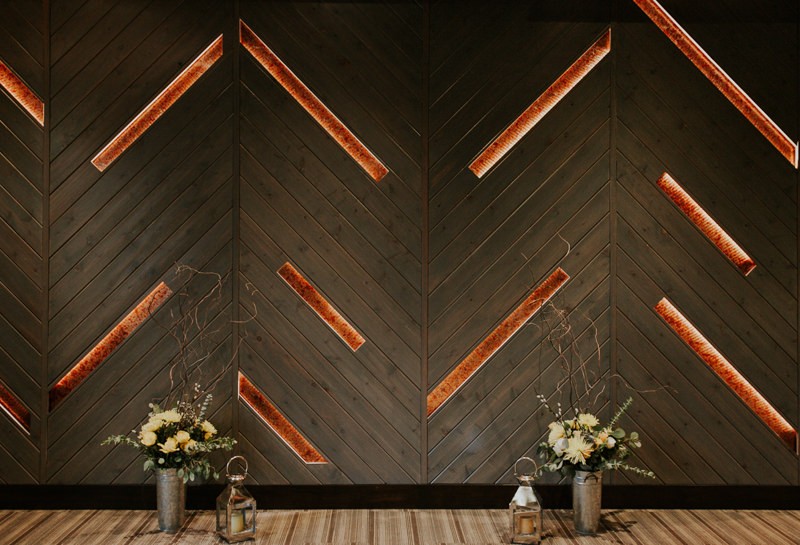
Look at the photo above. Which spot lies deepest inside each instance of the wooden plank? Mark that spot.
(396, 397)
(378, 217)
(25, 192)
(92, 314)
(275, 179)
(23, 126)
(775, 376)
(357, 105)
(488, 264)
(459, 234)
(683, 358)
(131, 209)
(349, 274)
(472, 322)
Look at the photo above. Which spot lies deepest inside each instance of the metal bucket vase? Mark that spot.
(170, 500)
(587, 488)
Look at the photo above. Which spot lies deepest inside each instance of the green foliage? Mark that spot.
(178, 438)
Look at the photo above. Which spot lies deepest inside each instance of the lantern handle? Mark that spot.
(531, 460)
(228, 467)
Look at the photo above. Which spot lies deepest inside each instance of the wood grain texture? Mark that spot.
(238, 178)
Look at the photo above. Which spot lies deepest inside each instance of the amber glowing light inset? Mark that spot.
(21, 93)
(720, 79)
(309, 101)
(727, 372)
(171, 93)
(706, 224)
(546, 102)
(278, 423)
(496, 340)
(110, 342)
(321, 306)
(14, 408)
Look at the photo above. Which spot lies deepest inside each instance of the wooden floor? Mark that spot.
(401, 527)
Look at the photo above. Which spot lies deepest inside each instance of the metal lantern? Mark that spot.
(526, 508)
(236, 508)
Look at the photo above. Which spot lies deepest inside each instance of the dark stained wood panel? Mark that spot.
(236, 177)
(22, 256)
(358, 242)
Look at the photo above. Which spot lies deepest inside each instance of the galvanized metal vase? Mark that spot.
(587, 488)
(170, 500)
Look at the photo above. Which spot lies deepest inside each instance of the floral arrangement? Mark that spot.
(582, 443)
(178, 438)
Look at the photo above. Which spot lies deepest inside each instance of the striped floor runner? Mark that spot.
(401, 527)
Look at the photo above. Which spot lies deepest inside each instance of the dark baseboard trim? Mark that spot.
(403, 497)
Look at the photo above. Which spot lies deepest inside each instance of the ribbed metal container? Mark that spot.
(171, 500)
(587, 489)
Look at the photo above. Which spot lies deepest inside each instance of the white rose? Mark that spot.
(170, 445)
(556, 432)
(152, 425)
(209, 429)
(148, 438)
(561, 446)
(170, 416)
(182, 437)
(610, 442)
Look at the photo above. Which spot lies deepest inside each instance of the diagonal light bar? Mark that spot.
(159, 105)
(541, 106)
(722, 81)
(14, 408)
(21, 93)
(278, 423)
(110, 342)
(309, 101)
(727, 372)
(321, 306)
(500, 336)
(706, 224)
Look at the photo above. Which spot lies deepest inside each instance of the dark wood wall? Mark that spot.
(237, 178)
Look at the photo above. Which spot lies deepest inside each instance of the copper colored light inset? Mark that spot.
(278, 423)
(706, 224)
(110, 342)
(159, 105)
(14, 408)
(727, 372)
(21, 93)
(309, 101)
(321, 306)
(722, 81)
(546, 102)
(496, 340)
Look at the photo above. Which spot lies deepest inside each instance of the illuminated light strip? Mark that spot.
(159, 105)
(541, 106)
(278, 423)
(14, 408)
(722, 81)
(110, 342)
(706, 224)
(21, 93)
(321, 306)
(309, 101)
(727, 372)
(489, 347)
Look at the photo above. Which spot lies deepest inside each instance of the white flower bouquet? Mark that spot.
(582, 443)
(178, 438)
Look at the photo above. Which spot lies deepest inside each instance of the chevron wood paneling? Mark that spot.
(306, 202)
(22, 255)
(238, 178)
(672, 119)
(494, 239)
(115, 235)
